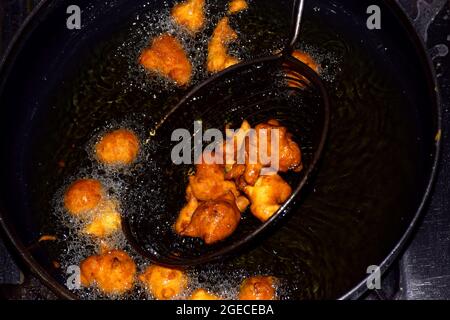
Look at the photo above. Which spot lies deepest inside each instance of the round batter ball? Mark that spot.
(119, 147)
(258, 288)
(83, 195)
(164, 283)
(113, 272)
(202, 294)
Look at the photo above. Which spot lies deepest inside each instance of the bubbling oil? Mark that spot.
(127, 185)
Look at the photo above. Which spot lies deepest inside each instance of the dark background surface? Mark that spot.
(423, 271)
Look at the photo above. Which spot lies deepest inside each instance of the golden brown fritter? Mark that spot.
(167, 57)
(209, 182)
(164, 283)
(185, 216)
(119, 147)
(218, 57)
(306, 59)
(235, 142)
(214, 202)
(83, 195)
(112, 272)
(202, 294)
(190, 14)
(267, 195)
(213, 207)
(235, 6)
(258, 288)
(214, 220)
(106, 220)
(288, 155)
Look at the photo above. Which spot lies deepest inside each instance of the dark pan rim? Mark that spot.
(426, 64)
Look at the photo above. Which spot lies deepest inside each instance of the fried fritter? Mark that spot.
(185, 216)
(258, 288)
(119, 147)
(267, 195)
(235, 6)
(218, 57)
(112, 272)
(214, 220)
(164, 283)
(209, 182)
(167, 57)
(288, 154)
(190, 14)
(106, 221)
(213, 207)
(83, 195)
(202, 294)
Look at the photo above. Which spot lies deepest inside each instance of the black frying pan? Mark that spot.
(60, 87)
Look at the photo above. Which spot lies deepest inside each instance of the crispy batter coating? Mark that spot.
(266, 196)
(214, 220)
(218, 57)
(167, 57)
(164, 283)
(288, 155)
(213, 207)
(106, 220)
(258, 288)
(190, 14)
(209, 182)
(306, 59)
(235, 6)
(119, 147)
(202, 294)
(83, 195)
(185, 216)
(236, 141)
(113, 272)
(214, 202)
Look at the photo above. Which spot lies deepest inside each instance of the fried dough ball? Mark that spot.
(106, 220)
(185, 216)
(190, 14)
(214, 220)
(167, 57)
(119, 147)
(164, 283)
(213, 207)
(258, 288)
(83, 195)
(234, 143)
(235, 6)
(306, 59)
(266, 196)
(202, 294)
(288, 155)
(112, 272)
(218, 57)
(209, 182)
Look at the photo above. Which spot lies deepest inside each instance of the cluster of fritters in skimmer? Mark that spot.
(217, 194)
